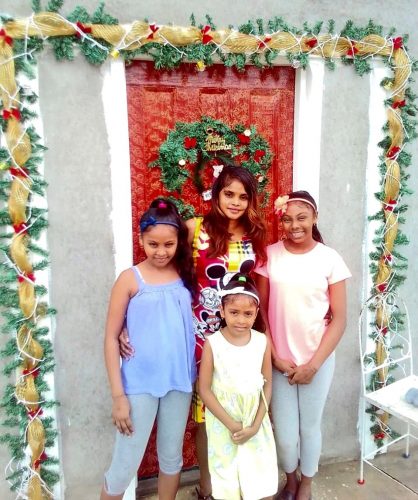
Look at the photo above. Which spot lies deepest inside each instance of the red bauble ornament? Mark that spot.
(259, 154)
(244, 139)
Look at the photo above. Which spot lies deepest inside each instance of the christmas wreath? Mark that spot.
(190, 148)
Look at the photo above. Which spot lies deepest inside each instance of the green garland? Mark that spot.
(167, 57)
(16, 417)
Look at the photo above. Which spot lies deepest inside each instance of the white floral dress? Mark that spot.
(248, 470)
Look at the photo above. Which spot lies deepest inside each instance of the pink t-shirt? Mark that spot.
(299, 297)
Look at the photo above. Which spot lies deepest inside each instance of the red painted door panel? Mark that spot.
(159, 99)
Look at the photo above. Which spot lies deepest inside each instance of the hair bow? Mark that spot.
(280, 205)
(151, 221)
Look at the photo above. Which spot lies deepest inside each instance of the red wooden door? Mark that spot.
(159, 99)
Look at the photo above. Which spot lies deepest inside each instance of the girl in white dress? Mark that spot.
(235, 386)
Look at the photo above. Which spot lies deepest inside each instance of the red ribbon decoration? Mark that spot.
(42, 458)
(312, 42)
(19, 172)
(11, 113)
(244, 139)
(393, 151)
(398, 104)
(397, 43)
(35, 413)
(6, 38)
(190, 142)
(382, 287)
(30, 276)
(387, 259)
(259, 154)
(384, 330)
(81, 27)
(263, 43)
(154, 28)
(34, 373)
(206, 38)
(20, 228)
(390, 205)
(352, 51)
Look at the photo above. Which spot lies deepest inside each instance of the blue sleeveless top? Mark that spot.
(160, 327)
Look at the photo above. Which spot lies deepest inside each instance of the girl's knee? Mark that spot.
(115, 484)
(170, 465)
(311, 432)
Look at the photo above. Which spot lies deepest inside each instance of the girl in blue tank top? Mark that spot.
(154, 299)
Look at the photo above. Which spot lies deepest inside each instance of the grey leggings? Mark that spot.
(297, 414)
(171, 412)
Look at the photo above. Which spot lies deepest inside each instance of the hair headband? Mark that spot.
(152, 221)
(238, 290)
(280, 205)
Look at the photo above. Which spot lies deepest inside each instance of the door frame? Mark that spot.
(306, 156)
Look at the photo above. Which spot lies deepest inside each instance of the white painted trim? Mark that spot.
(377, 119)
(307, 127)
(116, 118)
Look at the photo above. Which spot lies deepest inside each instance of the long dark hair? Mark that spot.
(164, 211)
(243, 283)
(304, 195)
(216, 223)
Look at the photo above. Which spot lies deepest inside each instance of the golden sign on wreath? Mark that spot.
(215, 142)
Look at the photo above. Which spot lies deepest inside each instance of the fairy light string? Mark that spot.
(168, 46)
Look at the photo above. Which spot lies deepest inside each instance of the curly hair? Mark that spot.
(164, 211)
(216, 223)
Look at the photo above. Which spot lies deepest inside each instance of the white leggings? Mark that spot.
(297, 414)
(171, 412)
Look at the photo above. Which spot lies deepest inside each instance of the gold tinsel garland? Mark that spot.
(130, 38)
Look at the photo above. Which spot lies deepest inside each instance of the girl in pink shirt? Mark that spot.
(302, 287)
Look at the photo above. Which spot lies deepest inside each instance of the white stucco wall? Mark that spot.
(77, 168)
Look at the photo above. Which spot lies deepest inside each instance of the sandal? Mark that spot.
(203, 497)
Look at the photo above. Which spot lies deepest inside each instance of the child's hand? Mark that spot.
(302, 374)
(242, 436)
(125, 348)
(121, 415)
(285, 366)
(235, 427)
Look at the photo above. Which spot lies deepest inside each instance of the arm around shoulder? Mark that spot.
(191, 226)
